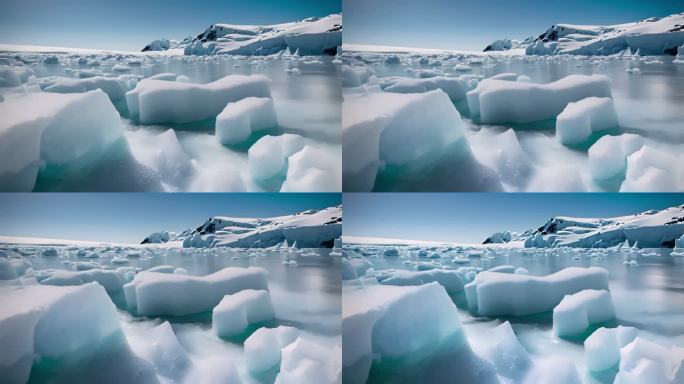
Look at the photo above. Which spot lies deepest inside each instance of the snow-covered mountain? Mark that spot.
(653, 36)
(166, 44)
(312, 36)
(308, 229)
(650, 229)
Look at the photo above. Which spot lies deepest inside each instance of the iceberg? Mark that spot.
(160, 101)
(154, 293)
(236, 312)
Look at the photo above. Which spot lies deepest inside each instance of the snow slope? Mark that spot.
(308, 229)
(650, 229)
(312, 36)
(653, 36)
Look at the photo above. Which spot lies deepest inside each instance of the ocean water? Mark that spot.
(648, 296)
(306, 296)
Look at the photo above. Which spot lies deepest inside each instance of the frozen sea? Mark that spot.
(305, 294)
(648, 295)
(305, 93)
(647, 102)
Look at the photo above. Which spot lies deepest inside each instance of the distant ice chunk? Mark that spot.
(451, 280)
(576, 312)
(453, 87)
(582, 118)
(506, 294)
(168, 76)
(159, 101)
(501, 101)
(602, 348)
(109, 85)
(263, 347)
(240, 119)
(111, 280)
(154, 293)
(237, 311)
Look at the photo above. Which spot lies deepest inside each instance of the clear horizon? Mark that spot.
(472, 25)
(472, 217)
(129, 25)
(128, 218)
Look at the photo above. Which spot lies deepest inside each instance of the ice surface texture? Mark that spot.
(579, 120)
(240, 119)
(154, 293)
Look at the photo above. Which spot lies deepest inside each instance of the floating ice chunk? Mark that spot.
(66, 131)
(385, 321)
(576, 312)
(644, 361)
(382, 128)
(167, 157)
(8, 77)
(267, 157)
(451, 280)
(313, 170)
(652, 170)
(307, 362)
(524, 79)
(602, 348)
(679, 243)
(168, 76)
(502, 294)
(508, 76)
(353, 268)
(502, 101)
(582, 118)
(159, 101)
(350, 78)
(65, 324)
(453, 87)
(109, 85)
(608, 156)
(242, 118)
(263, 347)
(112, 281)
(153, 293)
(51, 60)
(236, 312)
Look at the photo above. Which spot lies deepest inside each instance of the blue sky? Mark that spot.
(131, 24)
(472, 24)
(129, 217)
(472, 217)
